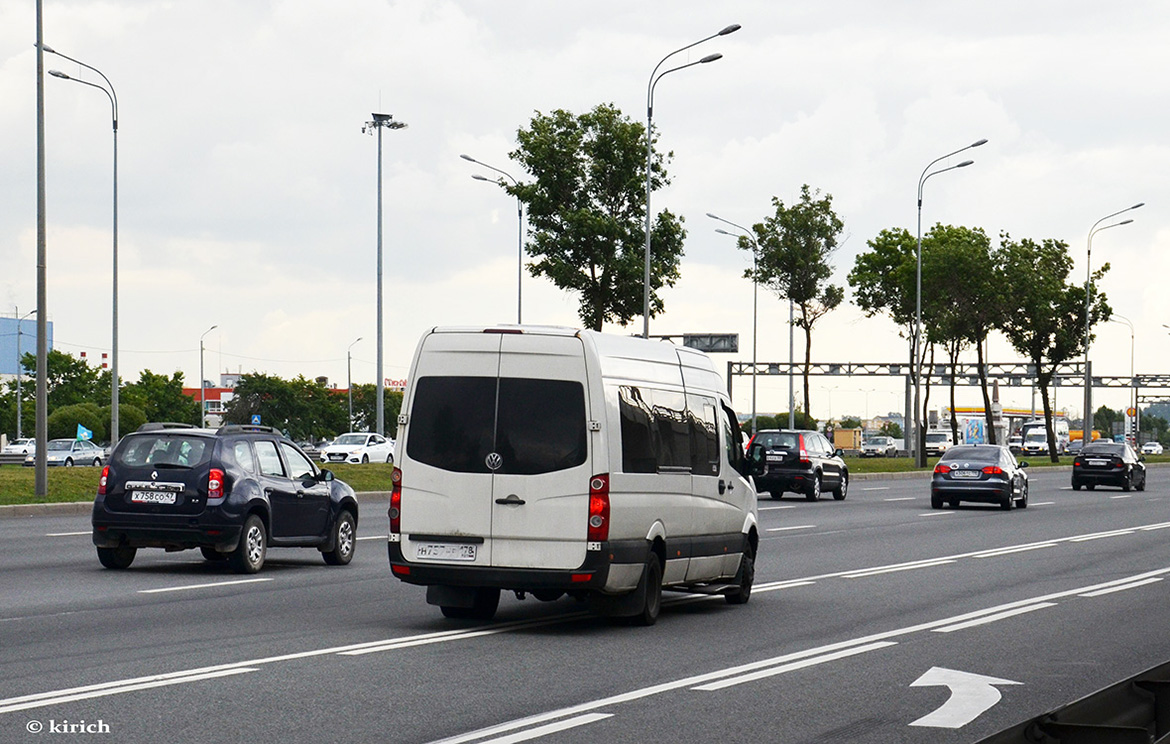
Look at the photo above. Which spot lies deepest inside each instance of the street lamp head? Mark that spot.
(721, 231)
(1139, 204)
(47, 48)
(729, 30)
(965, 163)
(59, 74)
(979, 143)
(1124, 222)
(710, 58)
(479, 177)
(468, 158)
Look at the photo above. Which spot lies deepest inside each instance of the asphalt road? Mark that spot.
(860, 609)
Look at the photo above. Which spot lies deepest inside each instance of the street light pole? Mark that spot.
(108, 89)
(654, 78)
(1087, 423)
(755, 302)
(520, 220)
(19, 371)
(380, 122)
(919, 449)
(203, 382)
(349, 380)
(1115, 318)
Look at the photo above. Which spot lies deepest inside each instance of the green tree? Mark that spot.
(891, 429)
(794, 247)
(69, 380)
(62, 422)
(1103, 420)
(130, 417)
(849, 422)
(586, 211)
(365, 409)
(962, 300)
(1045, 316)
(305, 409)
(160, 398)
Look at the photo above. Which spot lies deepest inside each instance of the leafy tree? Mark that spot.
(586, 211)
(305, 409)
(849, 422)
(69, 380)
(794, 247)
(780, 421)
(891, 429)
(1155, 426)
(962, 300)
(62, 422)
(160, 398)
(365, 414)
(1045, 316)
(1103, 420)
(130, 417)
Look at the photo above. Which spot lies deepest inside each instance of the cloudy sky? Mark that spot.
(247, 191)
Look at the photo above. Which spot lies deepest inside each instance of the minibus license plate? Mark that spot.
(446, 551)
(153, 497)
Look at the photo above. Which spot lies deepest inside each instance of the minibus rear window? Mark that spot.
(537, 427)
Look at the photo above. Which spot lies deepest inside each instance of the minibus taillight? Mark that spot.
(102, 482)
(395, 511)
(215, 484)
(599, 508)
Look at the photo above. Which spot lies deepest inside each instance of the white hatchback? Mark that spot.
(359, 447)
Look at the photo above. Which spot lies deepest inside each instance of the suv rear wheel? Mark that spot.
(343, 541)
(814, 490)
(248, 557)
(117, 558)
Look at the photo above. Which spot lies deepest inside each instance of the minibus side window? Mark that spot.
(639, 435)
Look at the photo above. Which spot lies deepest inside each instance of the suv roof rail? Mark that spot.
(238, 428)
(160, 425)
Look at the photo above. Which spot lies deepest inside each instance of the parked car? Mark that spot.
(937, 442)
(68, 453)
(1103, 463)
(1152, 448)
(359, 447)
(1016, 444)
(232, 493)
(879, 447)
(802, 462)
(985, 473)
(21, 447)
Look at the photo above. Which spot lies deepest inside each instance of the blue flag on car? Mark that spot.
(84, 433)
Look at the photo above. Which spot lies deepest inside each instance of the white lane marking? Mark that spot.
(69, 534)
(902, 498)
(1100, 535)
(878, 488)
(1121, 588)
(971, 695)
(993, 618)
(1161, 526)
(1123, 496)
(795, 527)
(41, 700)
(774, 508)
(1017, 549)
(374, 537)
(774, 585)
(938, 513)
(900, 567)
(784, 668)
(213, 585)
(1041, 503)
(551, 728)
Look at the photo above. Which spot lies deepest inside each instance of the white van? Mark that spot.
(551, 461)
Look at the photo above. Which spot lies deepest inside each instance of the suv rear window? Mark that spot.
(166, 449)
(536, 426)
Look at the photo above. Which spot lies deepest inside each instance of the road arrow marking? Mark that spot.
(971, 695)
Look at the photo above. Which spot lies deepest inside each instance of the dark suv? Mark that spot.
(231, 492)
(800, 461)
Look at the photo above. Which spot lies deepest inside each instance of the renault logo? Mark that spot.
(494, 461)
(154, 475)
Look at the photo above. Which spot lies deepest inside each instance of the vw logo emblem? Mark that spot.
(494, 461)
(154, 475)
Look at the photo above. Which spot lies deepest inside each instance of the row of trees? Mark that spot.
(586, 209)
(80, 394)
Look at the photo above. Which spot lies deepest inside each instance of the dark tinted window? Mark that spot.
(639, 435)
(974, 454)
(674, 433)
(784, 440)
(147, 450)
(540, 427)
(1104, 448)
(704, 436)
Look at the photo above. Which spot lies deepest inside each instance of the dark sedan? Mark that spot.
(1109, 464)
(986, 473)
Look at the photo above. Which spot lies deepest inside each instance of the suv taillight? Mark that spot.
(215, 484)
(395, 511)
(599, 508)
(102, 482)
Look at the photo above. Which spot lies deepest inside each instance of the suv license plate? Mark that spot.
(153, 497)
(445, 552)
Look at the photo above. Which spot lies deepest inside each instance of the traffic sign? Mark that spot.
(256, 419)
